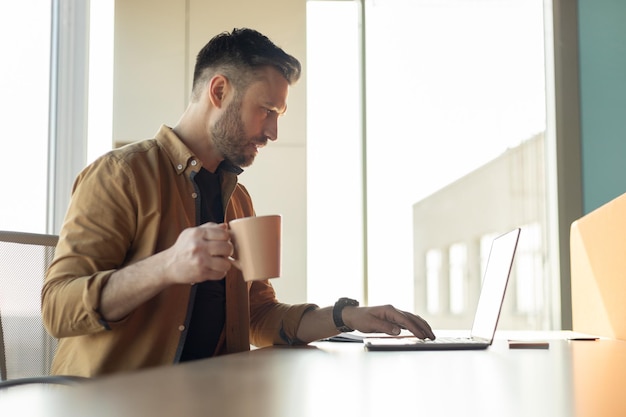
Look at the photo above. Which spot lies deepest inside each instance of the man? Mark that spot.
(141, 275)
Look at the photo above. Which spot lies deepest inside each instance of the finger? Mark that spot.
(214, 231)
(218, 266)
(411, 322)
(416, 325)
(214, 268)
(221, 248)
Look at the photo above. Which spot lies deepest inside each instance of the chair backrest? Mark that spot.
(26, 349)
(598, 268)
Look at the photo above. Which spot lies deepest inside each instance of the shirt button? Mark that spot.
(180, 166)
(181, 327)
(194, 195)
(194, 162)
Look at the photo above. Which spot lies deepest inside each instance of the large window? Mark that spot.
(47, 50)
(24, 87)
(451, 151)
(334, 153)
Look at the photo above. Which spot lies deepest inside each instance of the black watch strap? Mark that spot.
(337, 313)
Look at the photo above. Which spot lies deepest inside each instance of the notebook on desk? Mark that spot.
(487, 313)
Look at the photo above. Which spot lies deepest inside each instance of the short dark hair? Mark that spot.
(237, 55)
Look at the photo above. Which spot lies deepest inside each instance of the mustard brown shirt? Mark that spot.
(129, 204)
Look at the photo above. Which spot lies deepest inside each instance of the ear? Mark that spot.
(219, 87)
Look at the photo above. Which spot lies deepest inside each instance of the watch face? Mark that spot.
(349, 301)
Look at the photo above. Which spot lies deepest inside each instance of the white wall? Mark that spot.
(155, 47)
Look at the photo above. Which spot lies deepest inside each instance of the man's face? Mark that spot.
(251, 119)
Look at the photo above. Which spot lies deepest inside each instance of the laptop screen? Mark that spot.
(494, 284)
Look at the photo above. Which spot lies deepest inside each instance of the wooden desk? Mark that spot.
(571, 378)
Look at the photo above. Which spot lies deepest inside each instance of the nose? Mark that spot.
(271, 128)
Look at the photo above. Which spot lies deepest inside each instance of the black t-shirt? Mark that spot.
(209, 305)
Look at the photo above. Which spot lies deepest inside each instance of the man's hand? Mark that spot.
(318, 323)
(386, 319)
(199, 254)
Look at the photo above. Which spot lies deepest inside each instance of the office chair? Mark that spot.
(26, 349)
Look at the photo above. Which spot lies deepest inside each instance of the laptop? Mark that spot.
(497, 272)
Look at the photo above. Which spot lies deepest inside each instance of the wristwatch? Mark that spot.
(337, 313)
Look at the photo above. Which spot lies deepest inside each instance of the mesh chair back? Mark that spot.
(26, 349)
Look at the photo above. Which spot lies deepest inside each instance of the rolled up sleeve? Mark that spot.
(271, 322)
(93, 243)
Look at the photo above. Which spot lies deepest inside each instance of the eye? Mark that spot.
(269, 112)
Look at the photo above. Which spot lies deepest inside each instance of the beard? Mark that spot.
(230, 139)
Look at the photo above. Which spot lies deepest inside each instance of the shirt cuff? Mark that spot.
(290, 327)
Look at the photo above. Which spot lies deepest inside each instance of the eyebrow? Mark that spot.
(275, 108)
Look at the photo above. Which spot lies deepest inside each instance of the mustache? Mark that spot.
(260, 141)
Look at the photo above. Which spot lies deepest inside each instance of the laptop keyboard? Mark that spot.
(440, 340)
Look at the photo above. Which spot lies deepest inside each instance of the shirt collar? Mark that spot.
(181, 157)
